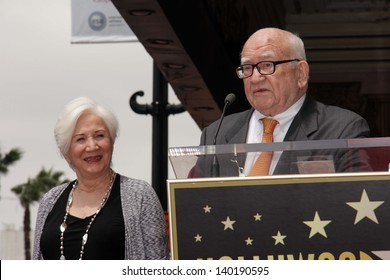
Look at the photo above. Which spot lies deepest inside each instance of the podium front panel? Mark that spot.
(289, 217)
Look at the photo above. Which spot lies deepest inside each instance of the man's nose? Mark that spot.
(256, 74)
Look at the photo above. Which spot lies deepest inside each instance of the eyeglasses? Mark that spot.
(264, 68)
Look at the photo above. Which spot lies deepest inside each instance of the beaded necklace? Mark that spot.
(64, 225)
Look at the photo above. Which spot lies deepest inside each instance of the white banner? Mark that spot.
(98, 21)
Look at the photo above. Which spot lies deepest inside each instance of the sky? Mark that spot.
(41, 71)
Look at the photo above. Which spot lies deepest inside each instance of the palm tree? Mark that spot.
(31, 192)
(8, 159)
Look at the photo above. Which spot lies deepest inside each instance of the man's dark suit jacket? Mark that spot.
(314, 121)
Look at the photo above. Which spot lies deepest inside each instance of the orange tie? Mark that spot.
(261, 166)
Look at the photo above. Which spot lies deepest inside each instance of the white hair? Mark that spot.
(67, 120)
(297, 45)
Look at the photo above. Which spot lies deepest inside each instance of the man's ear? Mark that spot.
(303, 73)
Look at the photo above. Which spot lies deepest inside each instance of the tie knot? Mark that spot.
(269, 125)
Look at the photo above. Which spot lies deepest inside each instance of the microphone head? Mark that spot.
(230, 98)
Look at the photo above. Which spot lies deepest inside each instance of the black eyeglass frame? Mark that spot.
(240, 68)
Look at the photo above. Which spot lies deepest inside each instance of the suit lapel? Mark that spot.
(305, 122)
(239, 130)
(236, 134)
(240, 136)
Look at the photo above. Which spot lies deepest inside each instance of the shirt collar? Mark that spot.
(286, 115)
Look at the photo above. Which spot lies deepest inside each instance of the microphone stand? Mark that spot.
(215, 164)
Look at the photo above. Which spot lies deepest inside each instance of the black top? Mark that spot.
(106, 237)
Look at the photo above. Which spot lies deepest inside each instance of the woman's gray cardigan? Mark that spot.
(145, 227)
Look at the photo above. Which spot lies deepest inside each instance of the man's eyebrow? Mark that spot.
(264, 57)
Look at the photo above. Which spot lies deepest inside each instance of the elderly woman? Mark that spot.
(100, 215)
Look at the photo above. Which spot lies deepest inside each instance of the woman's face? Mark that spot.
(91, 146)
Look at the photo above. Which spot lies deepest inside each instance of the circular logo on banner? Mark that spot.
(97, 21)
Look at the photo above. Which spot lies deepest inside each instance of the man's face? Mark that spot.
(275, 93)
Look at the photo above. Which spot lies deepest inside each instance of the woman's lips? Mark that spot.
(93, 159)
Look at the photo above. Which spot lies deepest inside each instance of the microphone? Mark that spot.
(229, 99)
